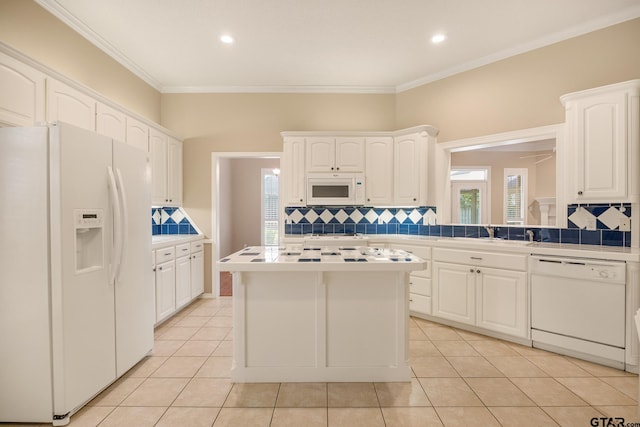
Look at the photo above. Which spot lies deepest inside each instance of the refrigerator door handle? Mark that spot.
(124, 221)
(117, 244)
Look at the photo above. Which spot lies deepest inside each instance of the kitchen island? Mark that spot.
(320, 314)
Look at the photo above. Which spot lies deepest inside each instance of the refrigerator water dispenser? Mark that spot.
(89, 227)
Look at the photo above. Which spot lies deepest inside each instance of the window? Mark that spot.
(515, 196)
(469, 195)
(270, 207)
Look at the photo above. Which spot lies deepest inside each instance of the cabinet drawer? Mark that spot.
(484, 259)
(183, 250)
(165, 254)
(197, 246)
(423, 252)
(419, 304)
(419, 285)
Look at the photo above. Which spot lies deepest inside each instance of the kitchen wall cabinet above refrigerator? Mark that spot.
(31, 94)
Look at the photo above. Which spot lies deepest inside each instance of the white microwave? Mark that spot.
(335, 189)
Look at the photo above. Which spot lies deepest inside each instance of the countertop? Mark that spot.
(297, 258)
(164, 240)
(499, 245)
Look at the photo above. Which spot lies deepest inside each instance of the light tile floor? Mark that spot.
(460, 379)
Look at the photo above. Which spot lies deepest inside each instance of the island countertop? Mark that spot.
(300, 258)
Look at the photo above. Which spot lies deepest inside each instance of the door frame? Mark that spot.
(215, 215)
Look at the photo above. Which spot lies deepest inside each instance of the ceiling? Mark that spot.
(359, 46)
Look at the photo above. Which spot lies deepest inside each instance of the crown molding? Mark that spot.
(593, 25)
(70, 20)
(281, 89)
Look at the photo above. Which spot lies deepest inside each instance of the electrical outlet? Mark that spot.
(380, 221)
(591, 224)
(625, 224)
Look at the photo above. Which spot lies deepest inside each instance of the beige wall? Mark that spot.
(523, 91)
(252, 123)
(225, 217)
(28, 28)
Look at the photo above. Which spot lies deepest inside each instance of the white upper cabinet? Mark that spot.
(69, 105)
(158, 146)
(328, 154)
(349, 154)
(22, 93)
(379, 170)
(395, 164)
(174, 171)
(321, 154)
(409, 180)
(166, 169)
(137, 134)
(292, 171)
(110, 122)
(602, 127)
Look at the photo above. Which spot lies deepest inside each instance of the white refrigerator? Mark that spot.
(76, 292)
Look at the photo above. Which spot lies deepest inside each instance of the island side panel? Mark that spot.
(281, 320)
(366, 319)
(283, 325)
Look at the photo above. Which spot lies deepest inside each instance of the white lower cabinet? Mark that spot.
(477, 293)
(419, 281)
(183, 281)
(179, 277)
(197, 273)
(165, 290)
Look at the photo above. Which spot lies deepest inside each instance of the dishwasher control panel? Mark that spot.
(579, 268)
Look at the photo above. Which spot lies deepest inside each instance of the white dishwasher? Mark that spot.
(578, 307)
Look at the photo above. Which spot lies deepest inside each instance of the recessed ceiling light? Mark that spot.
(438, 38)
(227, 39)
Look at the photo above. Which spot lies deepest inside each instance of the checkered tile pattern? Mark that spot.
(171, 221)
(349, 215)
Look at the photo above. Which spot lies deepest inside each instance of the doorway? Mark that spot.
(237, 220)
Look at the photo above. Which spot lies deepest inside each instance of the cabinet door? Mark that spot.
(21, 93)
(174, 172)
(137, 134)
(293, 170)
(454, 292)
(183, 281)
(600, 131)
(349, 154)
(110, 122)
(502, 301)
(407, 183)
(165, 290)
(70, 105)
(379, 170)
(158, 146)
(320, 154)
(197, 274)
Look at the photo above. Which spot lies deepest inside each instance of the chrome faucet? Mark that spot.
(530, 234)
(491, 230)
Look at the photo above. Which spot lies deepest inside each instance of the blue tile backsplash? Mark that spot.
(166, 220)
(422, 221)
